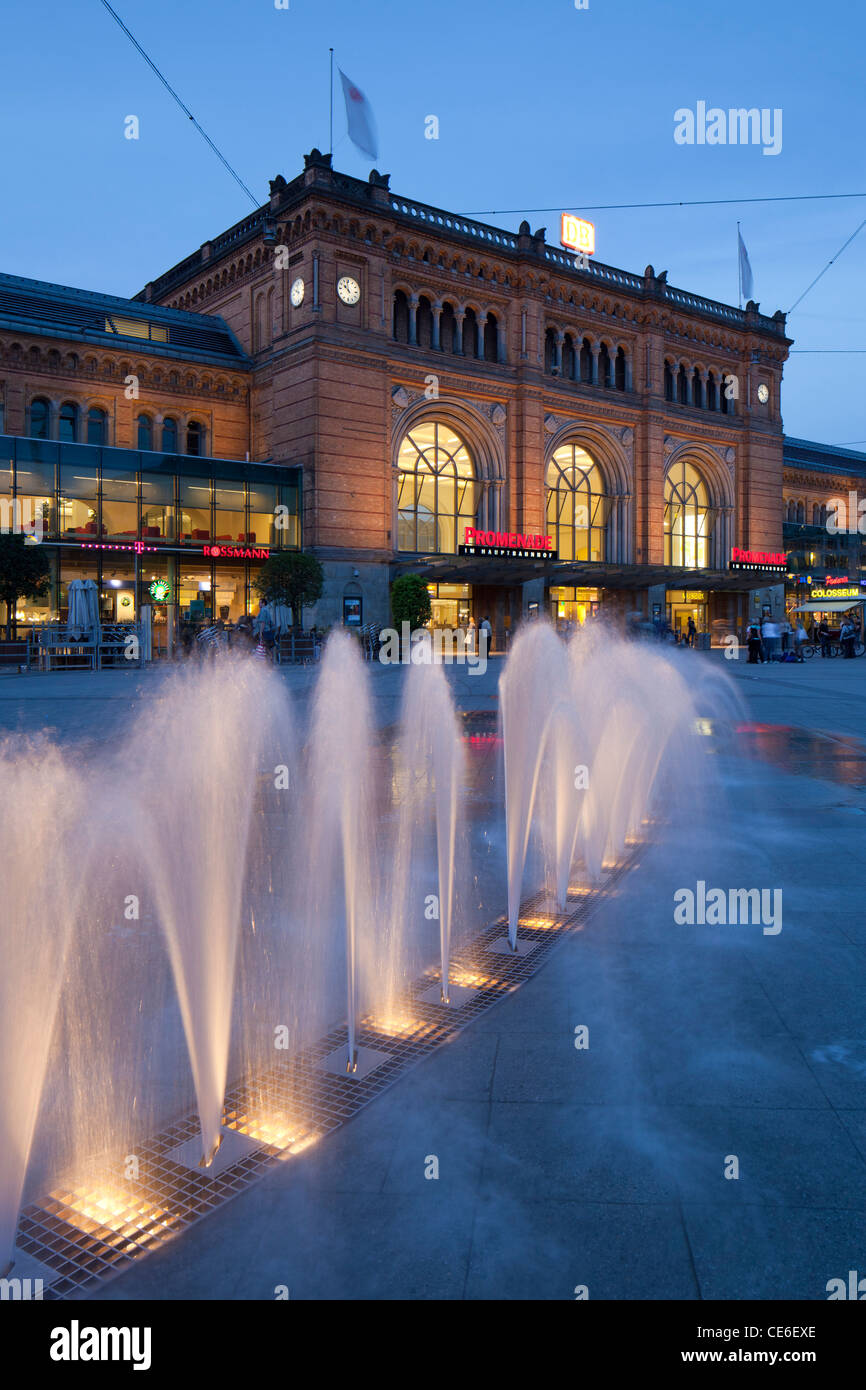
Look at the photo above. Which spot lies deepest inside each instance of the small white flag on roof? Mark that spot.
(747, 286)
(359, 115)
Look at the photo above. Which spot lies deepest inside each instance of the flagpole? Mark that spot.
(331, 123)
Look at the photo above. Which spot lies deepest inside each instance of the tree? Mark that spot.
(24, 573)
(410, 601)
(292, 577)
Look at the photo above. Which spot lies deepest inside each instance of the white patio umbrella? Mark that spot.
(83, 607)
(276, 615)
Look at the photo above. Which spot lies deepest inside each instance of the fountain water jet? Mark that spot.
(340, 777)
(431, 752)
(197, 781)
(45, 862)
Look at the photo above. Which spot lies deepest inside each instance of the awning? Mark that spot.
(834, 605)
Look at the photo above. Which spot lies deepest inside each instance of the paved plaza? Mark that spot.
(602, 1167)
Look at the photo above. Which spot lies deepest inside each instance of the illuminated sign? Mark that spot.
(577, 235)
(237, 552)
(512, 543)
(758, 559)
(834, 593)
(160, 590)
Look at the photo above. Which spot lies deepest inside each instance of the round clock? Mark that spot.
(297, 292)
(763, 393)
(348, 289)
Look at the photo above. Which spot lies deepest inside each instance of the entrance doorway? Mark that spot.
(683, 604)
(451, 605)
(572, 605)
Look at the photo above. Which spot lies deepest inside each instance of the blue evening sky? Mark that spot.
(539, 104)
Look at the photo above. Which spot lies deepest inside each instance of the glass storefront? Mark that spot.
(451, 605)
(108, 511)
(569, 604)
(683, 604)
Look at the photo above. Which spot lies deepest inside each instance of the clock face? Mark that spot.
(297, 291)
(763, 393)
(348, 289)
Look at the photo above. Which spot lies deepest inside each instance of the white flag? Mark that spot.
(747, 285)
(359, 115)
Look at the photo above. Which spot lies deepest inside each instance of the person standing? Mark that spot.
(799, 639)
(692, 631)
(485, 631)
(770, 634)
(824, 637)
(756, 653)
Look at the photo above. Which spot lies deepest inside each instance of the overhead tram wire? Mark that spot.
(842, 248)
(674, 203)
(185, 109)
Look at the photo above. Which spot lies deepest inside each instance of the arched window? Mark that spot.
(619, 370)
(195, 438)
(669, 382)
(712, 392)
(823, 517)
(605, 377)
(697, 389)
(577, 505)
(169, 435)
(40, 415)
(549, 351)
(437, 489)
(97, 422)
(569, 358)
(470, 335)
(792, 510)
(424, 332)
(401, 317)
(448, 329)
(682, 385)
(801, 512)
(816, 514)
(491, 339)
(688, 518)
(144, 432)
(67, 431)
(586, 361)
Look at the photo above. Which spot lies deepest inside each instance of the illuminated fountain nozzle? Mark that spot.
(352, 1062)
(444, 995)
(207, 1159)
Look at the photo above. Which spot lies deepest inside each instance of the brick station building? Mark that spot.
(428, 378)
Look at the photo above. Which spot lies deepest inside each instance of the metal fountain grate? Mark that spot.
(92, 1232)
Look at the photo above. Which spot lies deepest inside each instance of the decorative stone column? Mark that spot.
(595, 349)
(688, 400)
(460, 320)
(625, 556)
(558, 340)
(481, 321)
(413, 320)
(435, 341)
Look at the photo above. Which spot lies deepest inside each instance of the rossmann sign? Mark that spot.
(515, 544)
(236, 552)
(776, 560)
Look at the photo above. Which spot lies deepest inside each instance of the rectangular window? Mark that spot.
(119, 504)
(136, 328)
(230, 513)
(157, 506)
(78, 502)
(194, 515)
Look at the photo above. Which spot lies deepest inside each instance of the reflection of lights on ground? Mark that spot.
(112, 1207)
(277, 1131)
(580, 890)
(471, 979)
(393, 1025)
(540, 923)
